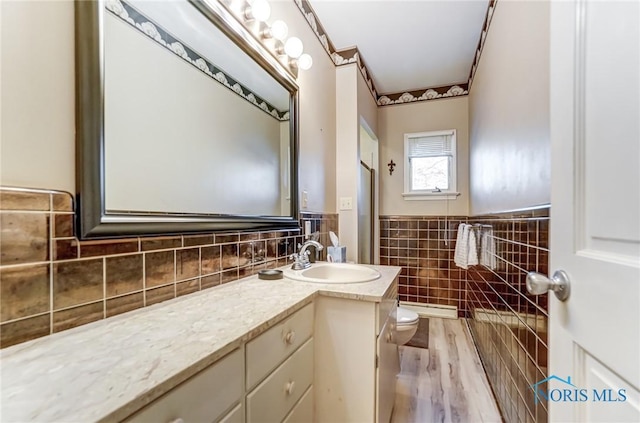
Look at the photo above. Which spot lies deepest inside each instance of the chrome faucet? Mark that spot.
(301, 258)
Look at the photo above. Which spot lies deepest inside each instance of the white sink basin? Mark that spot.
(333, 273)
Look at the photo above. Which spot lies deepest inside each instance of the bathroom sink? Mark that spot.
(333, 273)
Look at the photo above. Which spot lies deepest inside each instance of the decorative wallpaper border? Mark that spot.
(313, 21)
(136, 19)
(352, 55)
(424, 94)
(483, 36)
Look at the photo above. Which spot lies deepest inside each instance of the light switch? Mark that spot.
(307, 229)
(345, 203)
(305, 199)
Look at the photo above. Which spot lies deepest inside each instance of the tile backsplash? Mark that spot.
(50, 281)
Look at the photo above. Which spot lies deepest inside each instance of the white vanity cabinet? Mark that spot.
(356, 359)
(213, 394)
(279, 366)
(268, 379)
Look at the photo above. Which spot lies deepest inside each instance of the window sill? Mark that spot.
(421, 196)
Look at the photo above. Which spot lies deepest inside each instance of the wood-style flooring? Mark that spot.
(446, 382)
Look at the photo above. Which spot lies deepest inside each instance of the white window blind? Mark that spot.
(430, 146)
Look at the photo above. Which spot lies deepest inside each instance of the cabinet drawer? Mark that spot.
(303, 411)
(271, 348)
(234, 416)
(204, 397)
(277, 394)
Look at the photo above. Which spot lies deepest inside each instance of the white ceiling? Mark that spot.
(407, 45)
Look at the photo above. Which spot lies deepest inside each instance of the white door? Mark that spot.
(595, 211)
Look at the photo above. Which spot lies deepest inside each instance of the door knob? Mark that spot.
(537, 284)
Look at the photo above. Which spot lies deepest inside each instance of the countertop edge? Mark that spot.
(18, 358)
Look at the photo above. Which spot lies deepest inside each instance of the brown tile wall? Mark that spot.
(508, 325)
(424, 247)
(50, 281)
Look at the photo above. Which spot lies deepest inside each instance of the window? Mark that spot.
(430, 165)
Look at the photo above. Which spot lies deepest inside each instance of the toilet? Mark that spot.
(407, 325)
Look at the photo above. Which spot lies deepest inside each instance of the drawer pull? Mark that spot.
(288, 388)
(290, 337)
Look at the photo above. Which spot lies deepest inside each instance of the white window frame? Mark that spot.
(448, 194)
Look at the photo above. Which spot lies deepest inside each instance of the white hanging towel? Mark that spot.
(466, 252)
(461, 254)
(488, 249)
(472, 249)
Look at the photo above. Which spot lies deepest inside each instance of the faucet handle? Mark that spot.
(300, 261)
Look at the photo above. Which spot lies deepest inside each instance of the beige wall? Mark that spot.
(368, 114)
(367, 106)
(37, 146)
(355, 104)
(317, 114)
(37, 101)
(509, 111)
(432, 115)
(347, 155)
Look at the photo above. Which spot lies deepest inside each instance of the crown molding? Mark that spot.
(352, 55)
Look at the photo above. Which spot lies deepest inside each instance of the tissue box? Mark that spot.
(337, 254)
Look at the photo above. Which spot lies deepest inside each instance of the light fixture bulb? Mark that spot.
(305, 62)
(293, 47)
(237, 7)
(279, 30)
(260, 10)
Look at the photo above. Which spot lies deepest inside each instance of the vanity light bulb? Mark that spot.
(293, 47)
(260, 10)
(305, 62)
(279, 30)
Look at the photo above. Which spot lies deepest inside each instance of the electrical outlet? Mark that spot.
(307, 229)
(305, 199)
(346, 203)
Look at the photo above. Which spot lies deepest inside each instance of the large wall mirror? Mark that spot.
(185, 122)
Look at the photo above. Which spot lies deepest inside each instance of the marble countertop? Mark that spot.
(106, 370)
